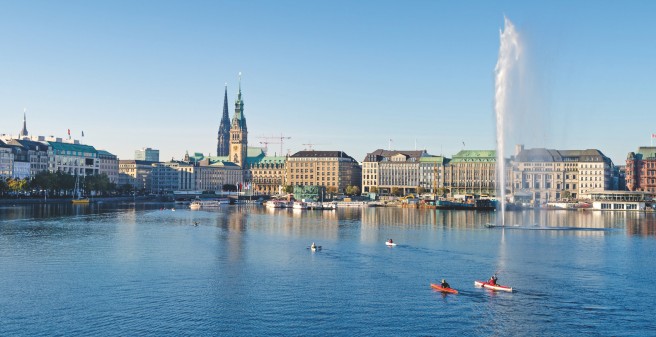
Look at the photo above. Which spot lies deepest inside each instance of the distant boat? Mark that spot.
(198, 204)
(78, 199)
(300, 205)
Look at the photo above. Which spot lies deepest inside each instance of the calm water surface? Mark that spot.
(125, 270)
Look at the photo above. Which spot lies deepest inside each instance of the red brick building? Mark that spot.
(641, 170)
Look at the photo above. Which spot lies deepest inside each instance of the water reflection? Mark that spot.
(641, 224)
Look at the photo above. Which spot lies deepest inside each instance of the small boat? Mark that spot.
(391, 244)
(315, 248)
(482, 284)
(195, 205)
(300, 205)
(442, 289)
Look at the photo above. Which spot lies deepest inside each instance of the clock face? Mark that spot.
(234, 147)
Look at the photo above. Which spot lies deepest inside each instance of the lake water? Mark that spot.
(126, 270)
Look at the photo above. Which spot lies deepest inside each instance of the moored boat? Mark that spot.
(300, 205)
(483, 284)
(442, 289)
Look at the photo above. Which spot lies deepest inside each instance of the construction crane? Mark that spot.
(276, 140)
(309, 146)
(266, 146)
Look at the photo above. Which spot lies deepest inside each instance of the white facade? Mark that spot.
(21, 170)
(6, 162)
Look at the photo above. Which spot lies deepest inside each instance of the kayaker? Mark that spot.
(493, 280)
(444, 284)
(390, 241)
(313, 246)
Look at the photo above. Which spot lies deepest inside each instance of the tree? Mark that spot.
(4, 188)
(420, 190)
(352, 190)
(395, 191)
(566, 194)
(288, 189)
(373, 189)
(17, 185)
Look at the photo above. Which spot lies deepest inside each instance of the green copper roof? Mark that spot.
(647, 151)
(433, 159)
(72, 147)
(475, 156)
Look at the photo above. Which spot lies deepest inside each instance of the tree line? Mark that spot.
(60, 184)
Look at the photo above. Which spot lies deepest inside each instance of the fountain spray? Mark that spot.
(509, 53)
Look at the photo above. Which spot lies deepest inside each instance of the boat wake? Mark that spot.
(547, 228)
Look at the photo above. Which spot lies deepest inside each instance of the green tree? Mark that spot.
(352, 190)
(566, 194)
(395, 191)
(4, 188)
(421, 190)
(288, 189)
(331, 190)
(373, 189)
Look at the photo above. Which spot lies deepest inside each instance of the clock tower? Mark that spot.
(238, 133)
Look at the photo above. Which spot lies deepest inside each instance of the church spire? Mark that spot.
(23, 132)
(223, 145)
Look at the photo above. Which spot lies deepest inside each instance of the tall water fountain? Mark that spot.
(506, 72)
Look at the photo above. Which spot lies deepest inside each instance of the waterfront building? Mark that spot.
(620, 200)
(549, 175)
(167, 177)
(471, 172)
(147, 154)
(108, 165)
(641, 169)
(431, 174)
(267, 174)
(223, 143)
(213, 174)
(75, 159)
(333, 170)
(135, 173)
(32, 157)
(391, 169)
(6, 161)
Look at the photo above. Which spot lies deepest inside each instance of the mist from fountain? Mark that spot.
(506, 75)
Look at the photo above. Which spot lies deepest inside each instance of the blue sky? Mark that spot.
(345, 75)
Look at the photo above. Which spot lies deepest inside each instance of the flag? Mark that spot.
(653, 135)
(82, 133)
(69, 132)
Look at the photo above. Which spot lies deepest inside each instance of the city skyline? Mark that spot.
(344, 76)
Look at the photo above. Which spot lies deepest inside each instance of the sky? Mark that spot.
(353, 76)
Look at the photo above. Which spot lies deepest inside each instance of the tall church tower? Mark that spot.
(23, 133)
(238, 133)
(223, 144)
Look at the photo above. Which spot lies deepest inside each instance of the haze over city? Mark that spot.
(341, 75)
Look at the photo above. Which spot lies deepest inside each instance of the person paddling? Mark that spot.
(390, 241)
(493, 280)
(313, 246)
(444, 284)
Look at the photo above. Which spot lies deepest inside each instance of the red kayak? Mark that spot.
(492, 286)
(444, 290)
